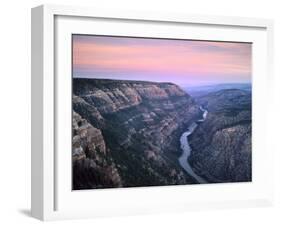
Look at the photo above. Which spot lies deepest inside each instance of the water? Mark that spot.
(186, 149)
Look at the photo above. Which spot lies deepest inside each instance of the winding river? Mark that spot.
(186, 149)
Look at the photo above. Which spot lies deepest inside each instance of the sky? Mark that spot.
(184, 62)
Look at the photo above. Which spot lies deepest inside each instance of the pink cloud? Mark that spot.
(181, 57)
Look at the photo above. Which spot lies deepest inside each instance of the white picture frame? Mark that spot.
(52, 197)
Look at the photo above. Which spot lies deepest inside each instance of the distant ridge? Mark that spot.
(204, 90)
(101, 81)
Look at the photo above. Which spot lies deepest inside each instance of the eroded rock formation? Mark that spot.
(126, 133)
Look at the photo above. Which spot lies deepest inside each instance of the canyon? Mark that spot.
(130, 133)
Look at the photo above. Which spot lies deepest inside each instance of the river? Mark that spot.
(186, 149)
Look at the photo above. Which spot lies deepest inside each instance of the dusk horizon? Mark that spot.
(191, 85)
(183, 62)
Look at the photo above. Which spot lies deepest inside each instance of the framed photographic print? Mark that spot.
(137, 112)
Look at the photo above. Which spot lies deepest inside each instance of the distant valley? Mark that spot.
(197, 91)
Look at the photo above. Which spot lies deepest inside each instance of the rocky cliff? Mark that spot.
(126, 133)
(221, 146)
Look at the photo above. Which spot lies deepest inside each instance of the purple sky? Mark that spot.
(183, 62)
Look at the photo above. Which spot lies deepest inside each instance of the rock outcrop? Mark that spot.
(93, 165)
(126, 133)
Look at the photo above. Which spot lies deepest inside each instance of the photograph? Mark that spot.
(152, 111)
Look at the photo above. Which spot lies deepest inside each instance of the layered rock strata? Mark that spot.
(126, 133)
